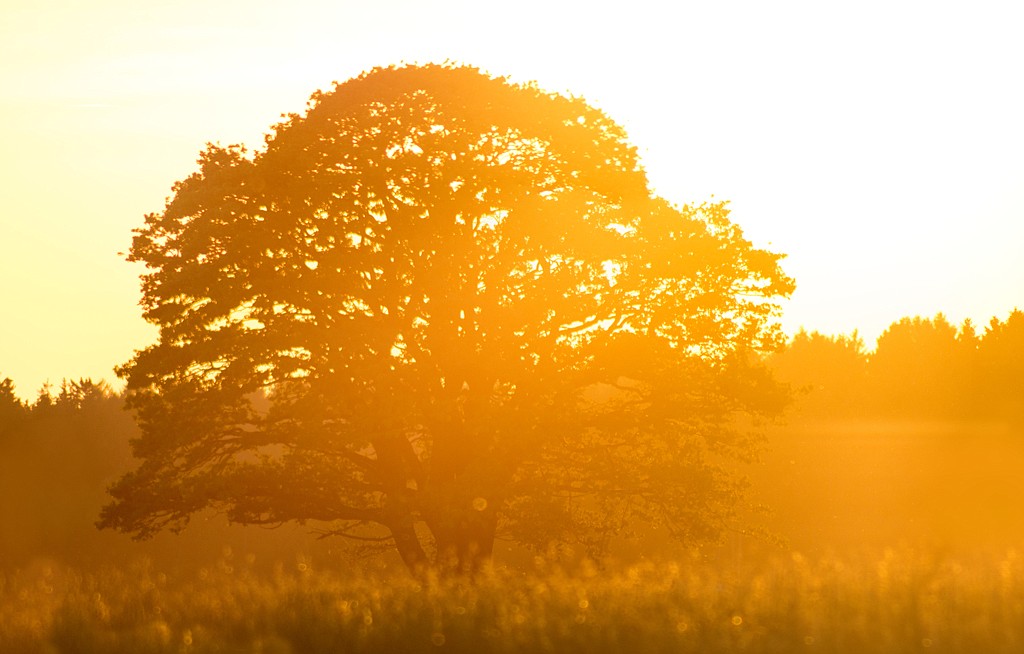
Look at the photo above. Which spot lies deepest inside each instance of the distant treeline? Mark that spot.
(59, 453)
(921, 369)
(57, 456)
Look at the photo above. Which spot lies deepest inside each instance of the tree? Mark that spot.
(921, 367)
(56, 458)
(1001, 368)
(829, 373)
(12, 410)
(439, 308)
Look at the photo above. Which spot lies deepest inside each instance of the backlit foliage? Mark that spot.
(447, 306)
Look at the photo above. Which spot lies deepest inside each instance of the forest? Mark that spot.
(921, 369)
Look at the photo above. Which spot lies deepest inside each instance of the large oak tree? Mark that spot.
(448, 308)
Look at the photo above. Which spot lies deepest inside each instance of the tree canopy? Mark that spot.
(440, 308)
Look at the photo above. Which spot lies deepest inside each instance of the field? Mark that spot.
(943, 486)
(898, 602)
(893, 538)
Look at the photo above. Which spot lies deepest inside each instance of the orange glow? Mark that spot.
(888, 174)
(700, 331)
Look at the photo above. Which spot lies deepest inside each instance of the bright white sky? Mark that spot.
(880, 145)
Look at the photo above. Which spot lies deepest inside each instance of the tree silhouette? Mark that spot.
(1001, 368)
(446, 307)
(828, 373)
(12, 410)
(921, 367)
(56, 458)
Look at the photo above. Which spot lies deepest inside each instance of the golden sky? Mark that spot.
(879, 144)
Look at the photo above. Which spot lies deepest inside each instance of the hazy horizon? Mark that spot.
(878, 146)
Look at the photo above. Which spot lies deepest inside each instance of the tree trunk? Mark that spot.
(465, 537)
(410, 549)
(459, 498)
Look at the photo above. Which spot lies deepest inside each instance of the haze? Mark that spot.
(878, 145)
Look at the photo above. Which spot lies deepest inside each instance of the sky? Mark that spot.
(879, 145)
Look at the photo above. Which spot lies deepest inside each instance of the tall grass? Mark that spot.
(900, 601)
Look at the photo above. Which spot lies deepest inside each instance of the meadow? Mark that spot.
(897, 601)
(892, 537)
